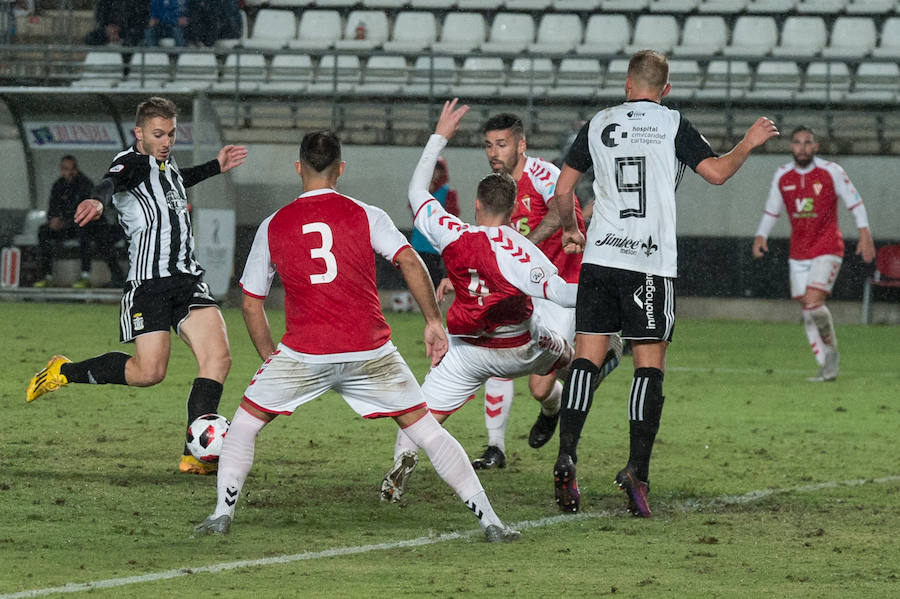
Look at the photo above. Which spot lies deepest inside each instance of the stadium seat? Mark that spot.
(100, 69)
(659, 32)
(336, 74)
(432, 76)
(335, 3)
(577, 78)
(241, 72)
(237, 41)
(887, 274)
(527, 5)
(289, 73)
(775, 81)
(395, 4)
(557, 34)
(752, 35)
(148, 69)
(605, 34)
(384, 75)
(851, 37)
(479, 4)
(702, 35)
(272, 29)
(576, 5)
(890, 39)
(802, 36)
(461, 33)
(623, 5)
(511, 33)
(825, 82)
(775, 7)
(613, 88)
(673, 6)
(725, 80)
(365, 30)
(869, 7)
(876, 82)
(414, 31)
(480, 77)
(319, 30)
(685, 77)
(528, 77)
(432, 4)
(820, 7)
(722, 7)
(195, 71)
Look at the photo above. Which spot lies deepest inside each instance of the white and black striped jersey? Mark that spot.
(638, 150)
(152, 204)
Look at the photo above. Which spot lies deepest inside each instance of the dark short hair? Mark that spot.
(497, 193)
(803, 128)
(649, 68)
(504, 120)
(155, 107)
(320, 149)
(69, 157)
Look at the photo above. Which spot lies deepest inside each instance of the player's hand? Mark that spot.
(56, 224)
(444, 288)
(760, 132)
(436, 344)
(448, 123)
(230, 157)
(760, 246)
(88, 210)
(865, 247)
(572, 241)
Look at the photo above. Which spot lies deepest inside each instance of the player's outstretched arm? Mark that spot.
(448, 123)
(230, 157)
(422, 290)
(254, 312)
(717, 170)
(564, 201)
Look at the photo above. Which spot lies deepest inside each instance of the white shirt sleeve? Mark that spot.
(847, 192)
(528, 269)
(259, 270)
(774, 206)
(438, 226)
(386, 239)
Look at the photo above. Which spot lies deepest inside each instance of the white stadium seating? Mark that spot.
(432, 76)
(101, 69)
(318, 30)
(462, 32)
(148, 69)
(195, 71)
(725, 80)
(384, 75)
(414, 31)
(480, 77)
(752, 35)
(605, 34)
(851, 37)
(365, 30)
(577, 77)
(557, 34)
(527, 77)
(802, 36)
(702, 35)
(889, 47)
(511, 33)
(657, 32)
(288, 73)
(336, 74)
(242, 72)
(273, 29)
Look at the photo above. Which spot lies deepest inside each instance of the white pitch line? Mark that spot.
(421, 541)
(763, 370)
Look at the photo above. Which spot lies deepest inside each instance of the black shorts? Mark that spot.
(610, 300)
(158, 304)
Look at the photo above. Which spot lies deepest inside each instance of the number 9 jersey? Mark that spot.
(638, 150)
(321, 245)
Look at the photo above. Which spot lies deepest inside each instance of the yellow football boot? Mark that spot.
(191, 465)
(47, 380)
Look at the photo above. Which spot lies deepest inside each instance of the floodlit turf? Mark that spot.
(89, 489)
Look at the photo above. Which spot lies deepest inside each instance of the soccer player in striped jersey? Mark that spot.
(808, 188)
(638, 150)
(165, 287)
(322, 246)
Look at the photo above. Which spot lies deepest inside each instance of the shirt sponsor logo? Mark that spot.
(804, 208)
(644, 298)
(635, 114)
(628, 246)
(610, 137)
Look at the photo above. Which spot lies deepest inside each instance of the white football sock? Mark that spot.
(236, 460)
(404, 443)
(550, 405)
(821, 317)
(498, 398)
(812, 333)
(452, 465)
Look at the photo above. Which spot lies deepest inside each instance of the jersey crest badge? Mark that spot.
(175, 202)
(817, 187)
(526, 201)
(117, 168)
(537, 274)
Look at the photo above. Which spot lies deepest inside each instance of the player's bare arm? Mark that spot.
(717, 170)
(760, 246)
(451, 115)
(230, 157)
(548, 225)
(88, 210)
(564, 201)
(865, 247)
(254, 312)
(419, 282)
(444, 289)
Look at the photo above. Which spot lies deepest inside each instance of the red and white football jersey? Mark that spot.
(535, 190)
(322, 245)
(493, 269)
(810, 197)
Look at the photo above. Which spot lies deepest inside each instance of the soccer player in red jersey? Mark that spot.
(322, 246)
(808, 189)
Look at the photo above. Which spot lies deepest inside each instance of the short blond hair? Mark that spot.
(649, 68)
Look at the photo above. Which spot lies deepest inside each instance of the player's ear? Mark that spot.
(138, 133)
(341, 168)
(666, 90)
(299, 168)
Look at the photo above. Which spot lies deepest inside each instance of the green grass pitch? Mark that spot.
(763, 485)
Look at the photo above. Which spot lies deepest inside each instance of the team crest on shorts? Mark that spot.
(138, 321)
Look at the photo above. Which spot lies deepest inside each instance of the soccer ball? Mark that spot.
(205, 436)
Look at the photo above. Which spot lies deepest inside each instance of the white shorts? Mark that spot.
(375, 388)
(466, 367)
(819, 273)
(555, 317)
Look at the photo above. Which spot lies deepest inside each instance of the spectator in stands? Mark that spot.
(118, 22)
(68, 191)
(211, 20)
(446, 195)
(168, 18)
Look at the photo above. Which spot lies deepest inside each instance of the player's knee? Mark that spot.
(149, 373)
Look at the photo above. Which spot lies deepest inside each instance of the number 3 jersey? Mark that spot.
(322, 245)
(638, 150)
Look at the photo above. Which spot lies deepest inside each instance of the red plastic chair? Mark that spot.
(887, 274)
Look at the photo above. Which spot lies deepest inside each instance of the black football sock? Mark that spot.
(99, 370)
(577, 397)
(644, 410)
(204, 399)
